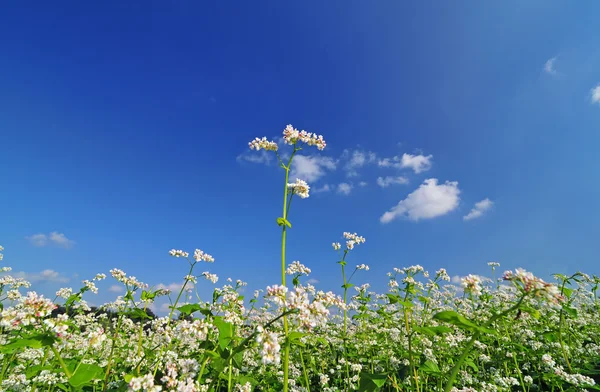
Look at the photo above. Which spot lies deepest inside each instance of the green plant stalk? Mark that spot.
(112, 350)
(409, 336)
(471, 342)
(286, 349)
(139, 352)
(561, 325)
(6, 365)
(192, 265)
(62, 363)
(304, 371)
(202, 367)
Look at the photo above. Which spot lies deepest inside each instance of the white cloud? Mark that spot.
(419, 163)
(311, 168)
(356, 160)
(164, 308)
(384, 182)
(173, 287)
(596, 94)
(456, 279)
(47, 275)
(428, 201)
(390, 162)
(363, 183)
(38, 240)
(261, 156)
(324, 188)
(115, 288)
(480, 208)
(54, 237)
(549, 66)
(61, 240)
(312, 281)
(344, 188)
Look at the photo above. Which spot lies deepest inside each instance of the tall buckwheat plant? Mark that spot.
(298, 140)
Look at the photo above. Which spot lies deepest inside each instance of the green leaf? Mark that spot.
(295, 336)
(282, 221)
(393, 298)
(137, 314)
(570, 311)
(33, 371)
(454, 318)
(370, 382)
(36, 341)
(469, 362)
(347, 285)
(84, 374)
(430, 367)
(567, 292)
(533, 312)
(432, 331)
(225, 332)
(189, 309)
(148, 295)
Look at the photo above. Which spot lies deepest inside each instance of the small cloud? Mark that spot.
(363, 184)
(312, 281)
(47, 275)
(172, 287)
(549, 66)
(456, 279)
(212, 99)
(38, 240)
(164, 308)
(324, 188)
(480, 208)
(428, 201)
(390, 162)
(261, 156)
(356, 160)
(115, 288)
(54, 237)
(344, 188)
(311, 168)
(384, 182)
(419, 163)
(596, 94)
(61, 240)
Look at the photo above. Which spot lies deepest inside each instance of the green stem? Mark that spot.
(112, 350)
(471, 342)
(61, 362)
(304, 371)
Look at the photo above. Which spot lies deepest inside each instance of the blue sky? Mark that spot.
(124, 131)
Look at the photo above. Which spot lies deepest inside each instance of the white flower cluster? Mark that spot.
(201, 256)
(297, 268)
(576, 379)
(362, 267)
(292, 136)
(178, 253)
(352, 240)
(28, 311)
(130, 281)
(144, 383)
(212, 277)
(300, 188)
(472, 284)
(532, 284)
(262, 144)
(270, 346)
